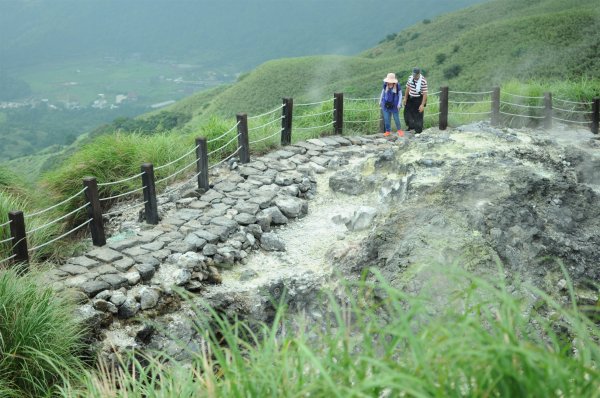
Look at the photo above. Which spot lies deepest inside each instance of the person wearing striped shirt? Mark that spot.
(415, 100)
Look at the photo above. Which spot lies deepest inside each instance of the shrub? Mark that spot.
(440, 58)
(426, 21)
(452, 71)
(39, 338)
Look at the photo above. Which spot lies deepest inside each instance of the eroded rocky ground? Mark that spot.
(476, 197)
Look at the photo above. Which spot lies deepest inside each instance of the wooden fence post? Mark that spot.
(94, 211)
(19, 236)
(338, 113)
(242, 119)
(202, 163)
(443, 121)
(547, 110)
(148, 182)
(595, 115)
(286, 122)
(495, 119)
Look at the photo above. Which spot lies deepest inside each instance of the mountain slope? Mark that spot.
(475, 48)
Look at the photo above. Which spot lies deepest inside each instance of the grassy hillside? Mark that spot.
(475, 48)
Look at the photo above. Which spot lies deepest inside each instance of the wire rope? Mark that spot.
(266, 138)
(571, 111)
(223, 146)
(225, 159)
(266, 124)
(314, 103)
(122, 194)
(60, 237)
(523, 106)
(469, 92)
(570, 121)
(178, 159)
(177, 172)
(52, 207)
(224, 134)
(121, 181)
(124, 209)
(312, 115)
(528, 116)
(314, 127)
(521, 96)
(8, 258)
(58, 219)
(266, 113)
(571, 102)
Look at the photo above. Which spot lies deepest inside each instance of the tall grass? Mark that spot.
(381, 342)
(39, 339)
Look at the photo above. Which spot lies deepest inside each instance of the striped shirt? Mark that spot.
(412, 86)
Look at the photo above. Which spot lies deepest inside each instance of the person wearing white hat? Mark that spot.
(391, 102)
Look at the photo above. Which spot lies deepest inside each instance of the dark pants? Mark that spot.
(412, 116)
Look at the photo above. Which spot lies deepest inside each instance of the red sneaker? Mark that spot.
(386, 134)
(400, 133)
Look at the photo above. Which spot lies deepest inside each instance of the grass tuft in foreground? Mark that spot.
(382, 342)
(39, 339)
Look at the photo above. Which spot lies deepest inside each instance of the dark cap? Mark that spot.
(416, 70)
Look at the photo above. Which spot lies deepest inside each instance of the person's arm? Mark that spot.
(400, 103)
(423, 102)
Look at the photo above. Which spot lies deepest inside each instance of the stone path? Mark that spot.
(198, 236)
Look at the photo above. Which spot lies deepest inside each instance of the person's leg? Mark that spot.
(419, 121)
(407, 116)
(397, 121)
(386, 120)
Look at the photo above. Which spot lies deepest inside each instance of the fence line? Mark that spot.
(202, 155)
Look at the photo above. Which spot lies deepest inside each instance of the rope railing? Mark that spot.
(313, 115)
(468, 113)
(223, 146)
(314, 127)
(124, 209)
(266, 138)
(523, 106)
(178, 159)
(432, 114)
(52, 207)
(571, 121)
(8, 258)
(122, 194)
(469, 102)
(104, 184)
(467, 92)
(528, 116)
(521, 96)
(571, 110)
(57, 220)
(373, 109)
(362, 99)
(225, 159)
(224, 134)
(177, 172)
(5, 224)
(60, 237)
(6, 240)
(266, 124)
(571, 102)
(266, 113)
(315, 103)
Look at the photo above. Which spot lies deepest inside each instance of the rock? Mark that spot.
(291, 207)
(105, 254)
(148, 298)
(118, 298)
(348, 183)
(182, 276)
(363, 218)
(129, 308)
(146, 271)
(91, 288)
(105, 306)
(271, 242)
(277, 217)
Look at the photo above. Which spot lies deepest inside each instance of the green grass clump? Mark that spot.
(382, 342)
(39, 339)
